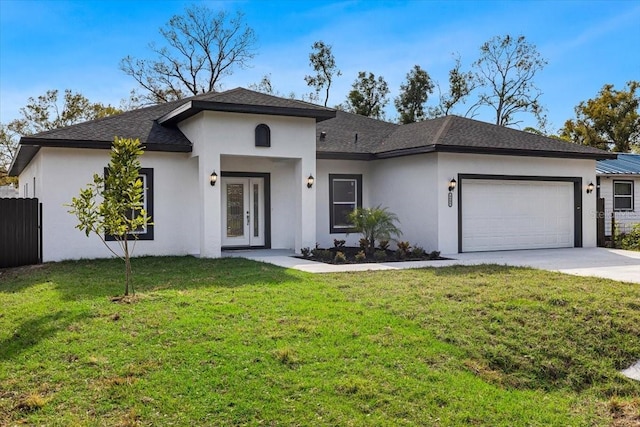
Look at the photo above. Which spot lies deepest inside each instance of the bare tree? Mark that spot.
(461, 84)
(505, 70)
(324, 64)
(201, 48)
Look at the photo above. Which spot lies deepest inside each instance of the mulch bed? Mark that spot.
(328, 256)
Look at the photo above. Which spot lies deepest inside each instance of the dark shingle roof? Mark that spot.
(625, 164)
(463, 135)
(339, 134)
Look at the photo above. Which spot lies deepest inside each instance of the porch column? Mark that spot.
(210, 215)
(305, 204)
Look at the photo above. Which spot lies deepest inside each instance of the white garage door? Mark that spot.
(504, 215)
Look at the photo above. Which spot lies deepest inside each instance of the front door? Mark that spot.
(243, 212)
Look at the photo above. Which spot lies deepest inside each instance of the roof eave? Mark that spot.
(194, 107)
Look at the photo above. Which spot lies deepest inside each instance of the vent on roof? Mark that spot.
(323, 135)
(356, 140)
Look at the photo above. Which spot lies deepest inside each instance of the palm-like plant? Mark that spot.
(374, 224)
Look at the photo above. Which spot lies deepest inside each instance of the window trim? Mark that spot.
(148, 199)
(623, 196)
(332, 177)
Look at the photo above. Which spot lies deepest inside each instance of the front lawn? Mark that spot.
(234, 342)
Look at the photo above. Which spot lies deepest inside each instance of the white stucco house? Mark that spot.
(241, 169)
(619, 186)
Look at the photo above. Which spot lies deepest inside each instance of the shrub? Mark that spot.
(340, 258)
(417, 252)
(364, 243)
(404, 246)
(374, 224)
(383, 245)
(338, 243)
(434, 255)
(322, 254)
(360, 256)
(306, 252)
(631, 240)
(380, 255)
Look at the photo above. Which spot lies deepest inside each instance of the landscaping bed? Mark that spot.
(357, 255)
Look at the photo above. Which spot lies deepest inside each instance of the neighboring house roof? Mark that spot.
(339, 134)
(625, 164)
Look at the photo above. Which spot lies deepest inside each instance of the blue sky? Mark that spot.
(78, 44)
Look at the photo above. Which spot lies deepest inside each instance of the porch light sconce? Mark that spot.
(452, 184)
(590, 187)
(213, 178)
(310, 181)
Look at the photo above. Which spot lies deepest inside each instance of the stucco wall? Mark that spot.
(218, 134)
(68, 170)
(325, 167)
(450, 165)
(406, 185)
(625, 219)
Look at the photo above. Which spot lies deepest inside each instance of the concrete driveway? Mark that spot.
(599, 262)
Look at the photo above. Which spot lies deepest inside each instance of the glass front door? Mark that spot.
(242, 211)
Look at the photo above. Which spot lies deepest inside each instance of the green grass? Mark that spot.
(234, 342)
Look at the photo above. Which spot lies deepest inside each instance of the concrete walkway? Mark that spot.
(599, 262)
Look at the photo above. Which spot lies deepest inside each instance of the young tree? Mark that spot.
(113, 205)
(414, 95)
(611, 118)
(201, 48)
(374, 224)
(324, 64)
(505, 70)
(44, 113)
(368, 96)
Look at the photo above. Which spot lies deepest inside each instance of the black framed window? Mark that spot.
(622, 195)
(145, 233)
(263, 136)
(345, 194)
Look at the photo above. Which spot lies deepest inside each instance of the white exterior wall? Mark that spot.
(625, 219)
(325, 167)
(32, 173)
(452, 164)
(218, 137)
(67, 170)
(405, 185)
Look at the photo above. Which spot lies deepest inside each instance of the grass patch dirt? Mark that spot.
(235, 342)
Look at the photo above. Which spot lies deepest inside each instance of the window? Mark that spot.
(263, 136)
(345, 194)
(622, 195)
(146, 233)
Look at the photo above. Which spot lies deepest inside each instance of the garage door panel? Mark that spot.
(505, 214)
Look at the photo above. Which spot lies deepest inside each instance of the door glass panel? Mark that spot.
(256, 211)
(235, 208)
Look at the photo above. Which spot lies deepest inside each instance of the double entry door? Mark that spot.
(243, 216)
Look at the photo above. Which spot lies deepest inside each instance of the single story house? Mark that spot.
(242, 169)
(619, 186)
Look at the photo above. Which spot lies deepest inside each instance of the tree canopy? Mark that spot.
(414, 93)
(47, 112)
(201, 48)
(368, 96)
(461, 84)
(323, 63)
(505, 73)
(610, 121)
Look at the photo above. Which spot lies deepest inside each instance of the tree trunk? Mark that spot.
(127, 263)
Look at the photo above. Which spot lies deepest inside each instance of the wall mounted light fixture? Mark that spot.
(310, 181)
(213, 178)
(590, 187)
(452, 184)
